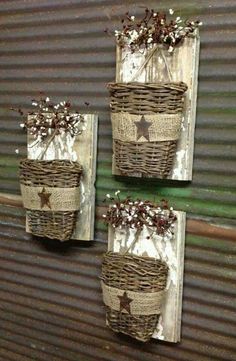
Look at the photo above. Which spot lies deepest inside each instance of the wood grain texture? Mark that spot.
(182, 65)
(82, 148)
(170, 250)
(86, 149)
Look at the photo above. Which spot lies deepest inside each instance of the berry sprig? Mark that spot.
(48, 118)
(136, 214)
(153, 28)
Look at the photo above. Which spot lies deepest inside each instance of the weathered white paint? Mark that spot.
(60, 148)
(86, 150)
(171, 250)
(181, 65)
(81, 148)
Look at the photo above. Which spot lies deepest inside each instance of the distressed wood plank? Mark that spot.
(182, 65)
(170, 250)
(82, 148)
(86, 149)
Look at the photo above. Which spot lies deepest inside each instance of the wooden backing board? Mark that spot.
(81, 148)
(182, 65)
(170, 250)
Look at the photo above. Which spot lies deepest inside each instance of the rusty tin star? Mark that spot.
(142, 128)
(125, 302)
(44, 198)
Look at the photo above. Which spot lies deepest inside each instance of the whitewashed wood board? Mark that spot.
(81, 148)
(181, 65)
(171, 250)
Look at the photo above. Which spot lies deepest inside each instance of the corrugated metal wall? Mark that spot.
(50, 300)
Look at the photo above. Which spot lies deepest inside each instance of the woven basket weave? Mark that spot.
(148, 158)
(133, 273)
(56, 173)
(152, 158)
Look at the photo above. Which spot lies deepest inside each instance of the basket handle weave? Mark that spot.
(45, 145)
(137, 234)
(152, 52)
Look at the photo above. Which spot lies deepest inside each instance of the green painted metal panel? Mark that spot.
(60, 47)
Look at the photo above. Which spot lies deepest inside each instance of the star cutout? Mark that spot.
(44, 198)
(142, 128)
(125, 302)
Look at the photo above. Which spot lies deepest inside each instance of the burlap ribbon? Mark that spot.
(135, 303)
(148, 128)
(50, 198)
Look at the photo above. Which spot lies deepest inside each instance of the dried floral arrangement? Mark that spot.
(49, 116)
(50, 188)
(147, 116)
(137, 213)
(134, 286)
(154, 28)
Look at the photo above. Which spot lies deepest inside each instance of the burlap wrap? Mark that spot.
(61, 199)
(163, 127)
(143, 303)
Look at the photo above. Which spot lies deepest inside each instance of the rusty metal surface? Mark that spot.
(60, 47)
(50, 298)
(51, 305)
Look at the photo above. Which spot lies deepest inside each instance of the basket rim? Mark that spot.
(166, 85)
(134, 256)
(61, 162)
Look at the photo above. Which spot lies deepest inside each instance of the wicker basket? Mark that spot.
(146, 125)
(140, 280)
(50, 191)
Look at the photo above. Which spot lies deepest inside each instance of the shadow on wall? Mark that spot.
(60, 248)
